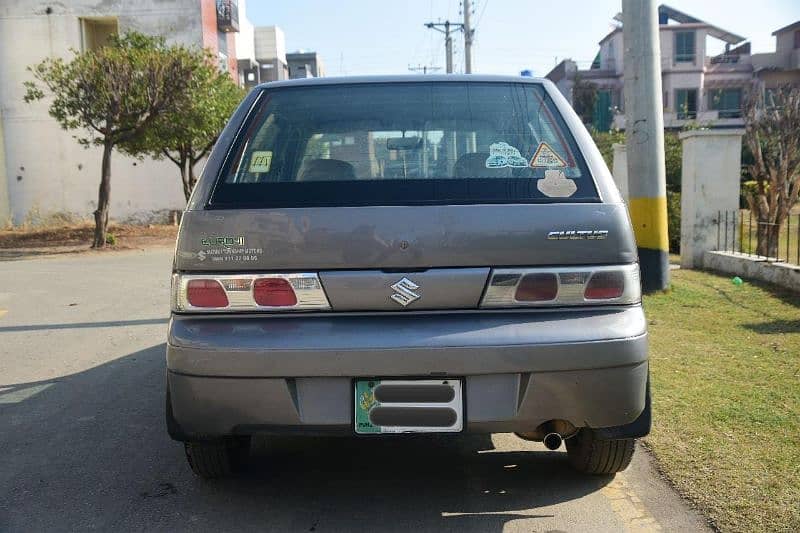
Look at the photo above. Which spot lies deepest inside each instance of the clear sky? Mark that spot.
(386, 37)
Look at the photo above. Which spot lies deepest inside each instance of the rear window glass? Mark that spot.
(403, 144)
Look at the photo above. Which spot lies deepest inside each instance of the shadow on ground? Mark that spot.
(90, 451)
(775, 326)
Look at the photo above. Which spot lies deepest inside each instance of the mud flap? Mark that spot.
(638, 428)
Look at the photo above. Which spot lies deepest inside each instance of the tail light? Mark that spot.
(537, 287)
(605, 285)
(248, 292)
(274, 292)
(206, 293)
(530, 287)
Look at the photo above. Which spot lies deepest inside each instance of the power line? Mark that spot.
(480, 17)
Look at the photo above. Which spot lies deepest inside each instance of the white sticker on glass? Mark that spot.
(546, 157)
(502, 154)
(556, 185)
(260, 161)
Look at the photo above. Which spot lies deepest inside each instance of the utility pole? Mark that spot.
(467, 38)
(644, 136)
(423, 68)
(448, 40)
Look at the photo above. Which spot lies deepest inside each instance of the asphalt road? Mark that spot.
(83, 444)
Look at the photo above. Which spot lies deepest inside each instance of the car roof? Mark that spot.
(405, 78)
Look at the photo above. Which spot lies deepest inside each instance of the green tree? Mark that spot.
(673, 160)
(186, 132)
(584, 99)
(772, 133)
(111, 96)
(605, 141)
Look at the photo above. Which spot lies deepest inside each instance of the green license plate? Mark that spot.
(408, 406)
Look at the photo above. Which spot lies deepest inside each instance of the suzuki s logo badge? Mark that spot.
(404, 292)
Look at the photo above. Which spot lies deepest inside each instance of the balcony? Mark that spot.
(724, 59)
(227, 16)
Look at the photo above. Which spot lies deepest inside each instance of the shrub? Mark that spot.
(605, 143)
(674, 221)
(673, 153)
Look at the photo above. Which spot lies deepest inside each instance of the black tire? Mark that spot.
(218, 458)
(590, 455)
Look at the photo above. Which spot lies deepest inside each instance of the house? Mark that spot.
(43, 170)
(304, 64)
(698, 85)
(782, 66)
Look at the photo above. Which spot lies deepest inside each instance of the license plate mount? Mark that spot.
(392, 406)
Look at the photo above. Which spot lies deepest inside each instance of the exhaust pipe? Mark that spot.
(552, 441)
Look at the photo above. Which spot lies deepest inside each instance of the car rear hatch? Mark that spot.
(402, 196)
(361, 252)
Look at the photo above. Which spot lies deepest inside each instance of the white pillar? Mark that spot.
(620, 169)
(709, 184)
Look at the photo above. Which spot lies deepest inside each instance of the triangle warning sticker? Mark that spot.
(546, 157)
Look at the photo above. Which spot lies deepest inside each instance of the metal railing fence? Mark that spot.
(739, 231)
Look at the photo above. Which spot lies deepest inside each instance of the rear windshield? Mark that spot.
(403, 144)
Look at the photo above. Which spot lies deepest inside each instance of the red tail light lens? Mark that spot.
(206, 293)
(539, 287)
(562, 286)
(233, 293)
(605, 286)
(274, 292)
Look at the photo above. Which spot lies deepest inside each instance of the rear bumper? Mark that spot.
(241, 375)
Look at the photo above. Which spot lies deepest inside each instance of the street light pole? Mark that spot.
(644, 136)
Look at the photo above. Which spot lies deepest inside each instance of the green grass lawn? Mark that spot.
(725, 371)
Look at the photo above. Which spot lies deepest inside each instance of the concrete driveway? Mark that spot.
(83, 443)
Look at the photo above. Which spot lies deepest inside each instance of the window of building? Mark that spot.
(797, 39)
(684, 47)
(222, 43)
(686, 103)
(222, 60)
(728, 102)
(97, 32)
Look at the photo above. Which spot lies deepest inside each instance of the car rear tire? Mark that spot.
(218, 458)
(591, 455)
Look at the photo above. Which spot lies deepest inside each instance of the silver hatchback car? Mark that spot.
(388, 255)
